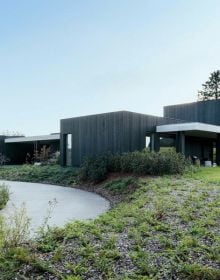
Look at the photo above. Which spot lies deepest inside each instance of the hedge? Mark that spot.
(96, 168)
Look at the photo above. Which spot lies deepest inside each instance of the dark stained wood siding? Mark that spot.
(202, 111)
(2, 144)
(200, 147)
(121, 131)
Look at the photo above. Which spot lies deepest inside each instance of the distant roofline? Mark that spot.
(33, 138)
(104, 113)
(120, 111)
(188, 103)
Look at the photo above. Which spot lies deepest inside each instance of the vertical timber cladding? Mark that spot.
(201, 111)
(121, 131)
(199, 147)
(2, 144)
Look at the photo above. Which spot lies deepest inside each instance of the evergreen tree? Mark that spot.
(211, 88)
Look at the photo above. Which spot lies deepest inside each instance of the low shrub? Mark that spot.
(121, 186)
(4, 195)
(95, 169)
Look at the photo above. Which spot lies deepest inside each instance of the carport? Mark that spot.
(17, 148)
(191, 139)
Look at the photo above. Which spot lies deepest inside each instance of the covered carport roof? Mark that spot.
(55, 136)
(191, 129)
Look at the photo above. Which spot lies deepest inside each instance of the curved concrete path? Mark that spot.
(71, 204)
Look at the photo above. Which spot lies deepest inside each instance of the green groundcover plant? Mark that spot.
(4, 195)
(167, 229)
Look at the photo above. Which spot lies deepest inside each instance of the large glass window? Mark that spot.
(147, 142)
(69, 149)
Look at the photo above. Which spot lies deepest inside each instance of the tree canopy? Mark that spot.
(211, 88)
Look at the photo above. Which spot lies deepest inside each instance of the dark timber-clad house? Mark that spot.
(117, 132)
(193, 128)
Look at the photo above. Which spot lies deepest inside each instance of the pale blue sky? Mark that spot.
(69, 58)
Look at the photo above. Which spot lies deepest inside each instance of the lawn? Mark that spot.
(208, 174)
(167, 229)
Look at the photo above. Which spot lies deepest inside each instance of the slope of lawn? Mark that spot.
(167, 229)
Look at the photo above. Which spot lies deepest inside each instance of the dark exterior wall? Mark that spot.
(116, 132)
(17, 152)
(2, 144)
(200, 147)
(202, 111)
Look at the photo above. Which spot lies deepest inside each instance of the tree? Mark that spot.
(11, 133)
(43, 155)
(211, 88)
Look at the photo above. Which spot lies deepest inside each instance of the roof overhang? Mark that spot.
(50, 137)
(193, 128)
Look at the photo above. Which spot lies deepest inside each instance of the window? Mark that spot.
(147, 142)
(69, 149)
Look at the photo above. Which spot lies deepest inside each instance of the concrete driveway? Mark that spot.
(68, 203)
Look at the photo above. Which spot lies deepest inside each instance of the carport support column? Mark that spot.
(218, 150)
(154, 142)
(180, 142)
(35, 146)
(63, 149)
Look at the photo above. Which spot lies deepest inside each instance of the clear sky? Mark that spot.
(66, 58)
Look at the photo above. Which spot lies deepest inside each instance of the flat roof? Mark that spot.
(33, 138)
(193, 102)
(192, 126)
(112, 112)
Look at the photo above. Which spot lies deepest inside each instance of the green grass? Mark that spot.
(167, 229)
(207, 174)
